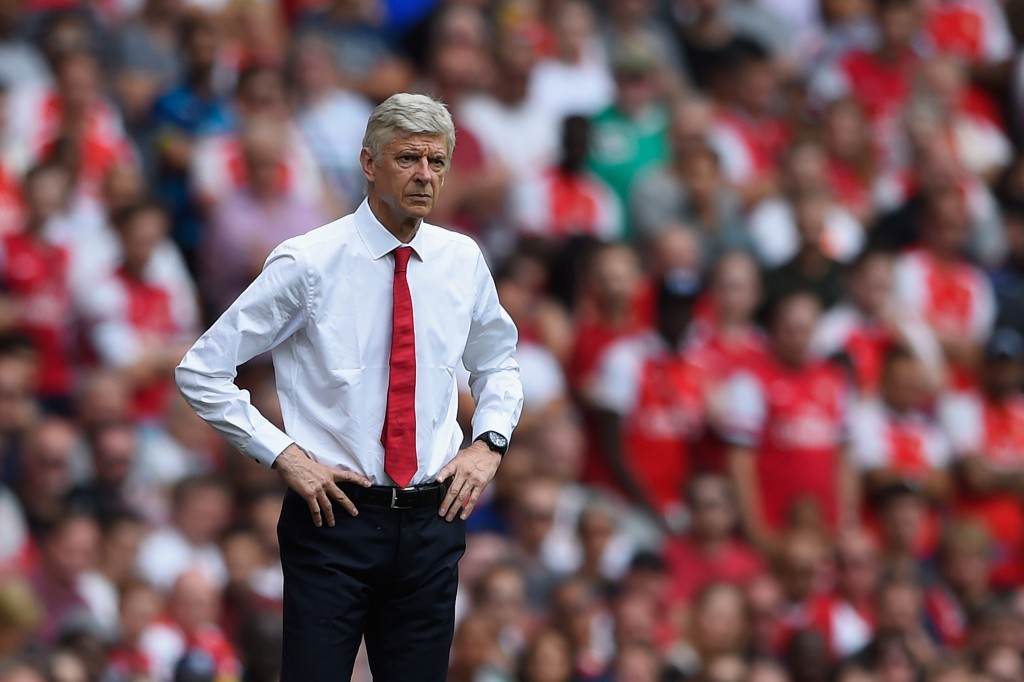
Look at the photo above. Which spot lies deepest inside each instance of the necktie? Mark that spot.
(399, 434)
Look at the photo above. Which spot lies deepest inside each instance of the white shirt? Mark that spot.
(323, 305)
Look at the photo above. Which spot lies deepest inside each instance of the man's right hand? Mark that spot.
(316, 484)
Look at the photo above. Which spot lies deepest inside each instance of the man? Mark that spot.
(986, 427)
(325, 304)
(786, 420)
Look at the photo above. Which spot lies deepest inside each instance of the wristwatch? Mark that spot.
(495, 441)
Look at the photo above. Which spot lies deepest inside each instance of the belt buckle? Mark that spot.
(394, 499)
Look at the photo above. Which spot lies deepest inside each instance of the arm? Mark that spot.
(272, 309)
(982, 479)
(494, 381)
(610, 424)
(748, 497)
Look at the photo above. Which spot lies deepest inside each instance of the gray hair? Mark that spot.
(407, 114)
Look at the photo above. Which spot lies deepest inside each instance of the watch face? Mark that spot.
(499, 440)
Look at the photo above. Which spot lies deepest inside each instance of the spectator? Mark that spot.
(200, 508)
(109, 494)
(249, 221)
(578, 612)
(710, 551)
(190, 625)
(895, 439)
(847, 615)
(45, 477)
(331, 119)
(548, 659)
(790, 406)
(476, 652)
(137, 325)
(38, 288)
(984, 427)
(651, 408)
(69, 549)
(811, 269)
(567, 201)
(691, 189)
(965, 587)
(630, 135)
(870, 321)
(852, 158)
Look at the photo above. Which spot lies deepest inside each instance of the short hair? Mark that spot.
(408, 114)
(125, 215)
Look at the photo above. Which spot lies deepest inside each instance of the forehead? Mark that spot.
(421, 142)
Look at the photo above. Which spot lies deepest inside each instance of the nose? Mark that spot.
(423, 170)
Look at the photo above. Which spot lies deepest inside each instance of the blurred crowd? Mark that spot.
(766, 258)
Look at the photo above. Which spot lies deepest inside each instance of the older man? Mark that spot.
(367, 318)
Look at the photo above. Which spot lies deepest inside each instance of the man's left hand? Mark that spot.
(471, 470)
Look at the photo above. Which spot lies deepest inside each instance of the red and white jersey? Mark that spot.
(164, 642)
(974, 30)
(749, 149)
(993, 431)
(910, 444)
(717, 356)
(881, 88)
(218, 167)
(558, 205)
(660, 400)
(12, 204)
(795, 420)
(954, 299)
(127, 316)
(845, 329)
(34, 274)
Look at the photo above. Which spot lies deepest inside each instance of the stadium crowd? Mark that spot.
(766, 258)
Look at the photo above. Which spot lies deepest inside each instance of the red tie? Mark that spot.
(399, 435)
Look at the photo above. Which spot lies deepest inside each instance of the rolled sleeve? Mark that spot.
(270, 310)
(490, 357)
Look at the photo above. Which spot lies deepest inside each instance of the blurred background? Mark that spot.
(766, 258)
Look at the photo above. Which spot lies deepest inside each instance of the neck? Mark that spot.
(403, 227)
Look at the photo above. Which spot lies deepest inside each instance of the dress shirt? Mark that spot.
(322, 305)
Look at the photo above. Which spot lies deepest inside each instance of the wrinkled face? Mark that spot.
(408, 176)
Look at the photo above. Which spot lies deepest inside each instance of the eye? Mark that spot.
(437, 163)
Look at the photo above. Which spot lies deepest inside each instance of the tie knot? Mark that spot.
(402, 255)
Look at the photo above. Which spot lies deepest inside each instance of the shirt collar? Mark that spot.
(376, 237)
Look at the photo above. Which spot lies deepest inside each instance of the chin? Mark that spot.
(420, 211)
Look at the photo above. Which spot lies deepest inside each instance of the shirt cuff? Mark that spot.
(266, 447)
(482, 423)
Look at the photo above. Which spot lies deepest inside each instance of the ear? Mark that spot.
(367, 164)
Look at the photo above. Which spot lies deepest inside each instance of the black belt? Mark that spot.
(396, 498)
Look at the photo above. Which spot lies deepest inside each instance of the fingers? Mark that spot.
(467, 492)
(314, 510)
(469, 505)
(351, 477)
(453, 492)
(336, 494)
(447, 472)
(326, 507)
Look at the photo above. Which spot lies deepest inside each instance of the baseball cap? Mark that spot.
(1005, 344)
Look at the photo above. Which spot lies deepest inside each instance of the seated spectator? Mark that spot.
(773, 222)
(133, 321)
(476, 652)
(986, 428)
(39, 287)
(578, 611)
(548, 658)
(792, 409)
(45, 478)
(964, 587)
(631, 134)
(533, 520)
(851, 156)
(906, 530)
(869, 321)
(904, 615)
(200, 508)
(331, 118)
(724, 343)
(717, 627)
(249, 219)
(651, 408)
(566, 200)
(606, 312)
(69, 549)
(140, 606)
(709, 551)
(847, 615)
(936, 283)
(190, 624)
(811, 268)
(500, 597)
(746, 133)
(878, 78)
(894, 438)
(798, 567)
(576, 81)
(690, 188)
(21, 615)
(110, 493)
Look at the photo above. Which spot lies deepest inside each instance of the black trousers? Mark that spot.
(386, 575)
